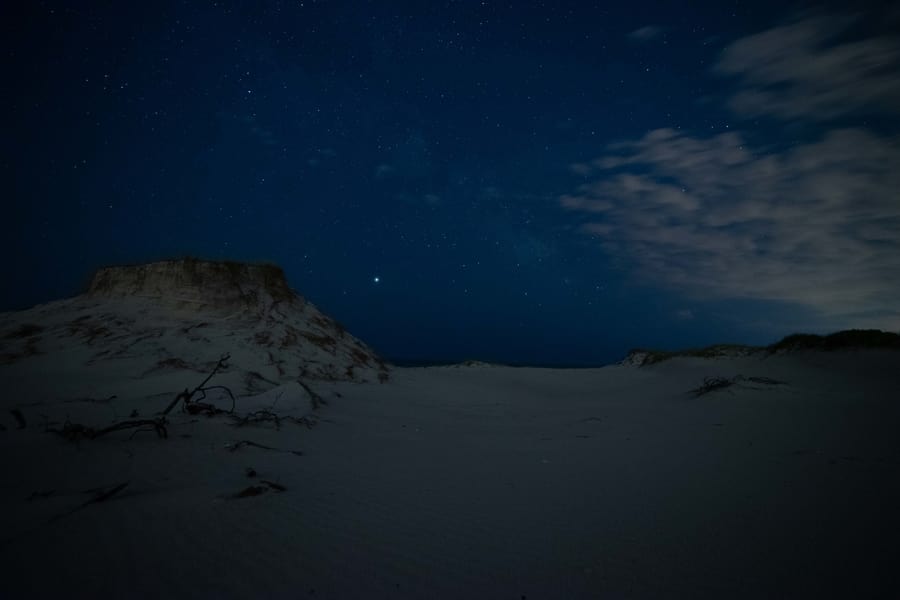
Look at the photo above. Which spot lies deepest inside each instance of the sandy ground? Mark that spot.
(480, 482)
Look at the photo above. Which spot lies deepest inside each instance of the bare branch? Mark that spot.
(100, 495)
(712, 384)
(187, 396)
(75, 431)
(235, 445)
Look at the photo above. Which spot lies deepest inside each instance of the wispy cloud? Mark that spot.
(810, 68)
(645, 34)
(818, 224)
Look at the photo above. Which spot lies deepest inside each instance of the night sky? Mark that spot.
(526, 182)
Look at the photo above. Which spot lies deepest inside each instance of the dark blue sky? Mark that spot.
(530, 182)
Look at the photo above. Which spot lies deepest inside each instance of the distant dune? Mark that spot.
(797, 342)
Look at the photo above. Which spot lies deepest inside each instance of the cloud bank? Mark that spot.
(817, 223)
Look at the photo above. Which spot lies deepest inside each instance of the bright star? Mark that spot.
(377, 279)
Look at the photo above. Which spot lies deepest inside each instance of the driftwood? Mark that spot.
(198, 406)
(256, 490)
(100, 495)
(275, 486)
(107, 494)
(190, 405)
(712, 384)
(253, 490)
(240, 444)
(91, 400)
(766, 381)
(157, 425)
(75, 431)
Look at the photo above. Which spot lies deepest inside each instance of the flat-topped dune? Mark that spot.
(220, 284)
(169, 321)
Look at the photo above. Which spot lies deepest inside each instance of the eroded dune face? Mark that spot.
(173, 320)
(201, 285)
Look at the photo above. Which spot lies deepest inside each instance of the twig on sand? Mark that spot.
(766, 381)
(256, 490)
(106, 400)
(100, 495)
(196, 407)
(158, 425)
(712, 384)
(253, 490)
(236, 445)
(75, 431)
(106, 495)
